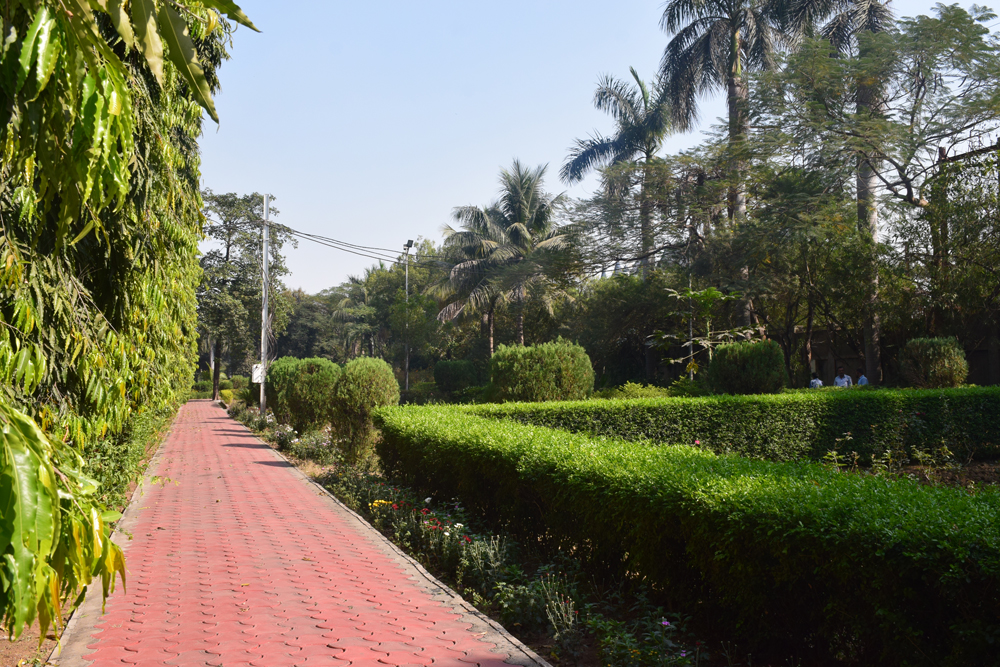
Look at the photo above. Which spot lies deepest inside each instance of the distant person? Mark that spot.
(815, 383)
(842, 379)
(862, 380)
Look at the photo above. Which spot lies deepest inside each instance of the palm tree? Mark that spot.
(716, 44)
(357, 315)
(642, 116)
(848, 24)
(501, 250)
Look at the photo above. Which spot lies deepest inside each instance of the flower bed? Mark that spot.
(792, 555)
(538, 595)
(786, 427)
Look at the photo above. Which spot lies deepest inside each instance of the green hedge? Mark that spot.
(790, 426)
(788, 555)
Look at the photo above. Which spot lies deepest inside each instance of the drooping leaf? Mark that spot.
(182, 54)
(28, 52)
(147, 36)
(120, 19)
(233, 11)
(49, 47)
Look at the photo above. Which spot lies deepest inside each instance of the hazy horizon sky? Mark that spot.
(370, 122)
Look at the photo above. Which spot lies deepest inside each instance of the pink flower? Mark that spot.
(697, 442)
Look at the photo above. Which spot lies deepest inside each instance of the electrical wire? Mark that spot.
(385, 255)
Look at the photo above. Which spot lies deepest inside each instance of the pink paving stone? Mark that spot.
(217, 572)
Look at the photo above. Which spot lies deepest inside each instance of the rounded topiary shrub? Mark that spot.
(930, 363)
(311, 396)
(455, 375)
(202, 385)
(240, 382)
(556, 371)
(750, 367)
(225, 384)
(281, 376)
(364, 385)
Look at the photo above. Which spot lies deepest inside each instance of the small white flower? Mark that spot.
(446, 533)
(458, 525)
(427, 501)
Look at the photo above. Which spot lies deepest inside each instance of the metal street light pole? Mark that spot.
(263, 309)
(406, 325)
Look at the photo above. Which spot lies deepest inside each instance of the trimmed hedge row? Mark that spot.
(790, 426)
(792, 556)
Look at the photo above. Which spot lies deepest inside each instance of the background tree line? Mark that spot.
(849, 202)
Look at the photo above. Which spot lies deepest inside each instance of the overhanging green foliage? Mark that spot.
(887, 572)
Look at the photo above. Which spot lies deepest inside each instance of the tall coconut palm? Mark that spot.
(849, 25)
(715, 45)
(642, 117)
(502, 249)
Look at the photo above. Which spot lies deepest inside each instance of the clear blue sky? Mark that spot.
(370, 121)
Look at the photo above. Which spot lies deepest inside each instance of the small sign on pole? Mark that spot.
(258, 373)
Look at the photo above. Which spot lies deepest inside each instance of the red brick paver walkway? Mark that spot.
(235, 559)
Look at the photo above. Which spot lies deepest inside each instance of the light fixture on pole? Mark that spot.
(406, 324)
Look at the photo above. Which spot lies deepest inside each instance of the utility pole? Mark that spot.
(263, 310)
(406, 324)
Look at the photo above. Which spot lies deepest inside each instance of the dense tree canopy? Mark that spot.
(813, 151)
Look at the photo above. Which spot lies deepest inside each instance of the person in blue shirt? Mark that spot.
(862, 380)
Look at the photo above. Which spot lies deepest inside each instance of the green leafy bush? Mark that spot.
(455, 375)
(933, 362)
(556, 371)
(422, 393)
(791, 554)
(366, 384)
(202, 386)
(786, 427)
(312, 394)
(206, 376)
(632, 390)
(225, 384)
(471, 395)
(240, 382)
(751, 367)
(281, 377)
(227, 396)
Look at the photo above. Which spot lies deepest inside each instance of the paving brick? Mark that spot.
(237, 562)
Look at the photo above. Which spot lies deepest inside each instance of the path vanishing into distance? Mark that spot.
(236, 558)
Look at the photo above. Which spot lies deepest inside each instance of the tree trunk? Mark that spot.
(490, 318)
(807, 347)
(217, 370)
(870, 106)
(520, 321)
(994, 353)
(867, 187)
(737, 99)
(645, 222)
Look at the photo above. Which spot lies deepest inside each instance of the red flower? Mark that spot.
(468, 539)
(425, 511)
(395, 506)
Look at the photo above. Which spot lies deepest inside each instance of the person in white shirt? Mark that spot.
(842, 380)
(862, 380)
(815, 383)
